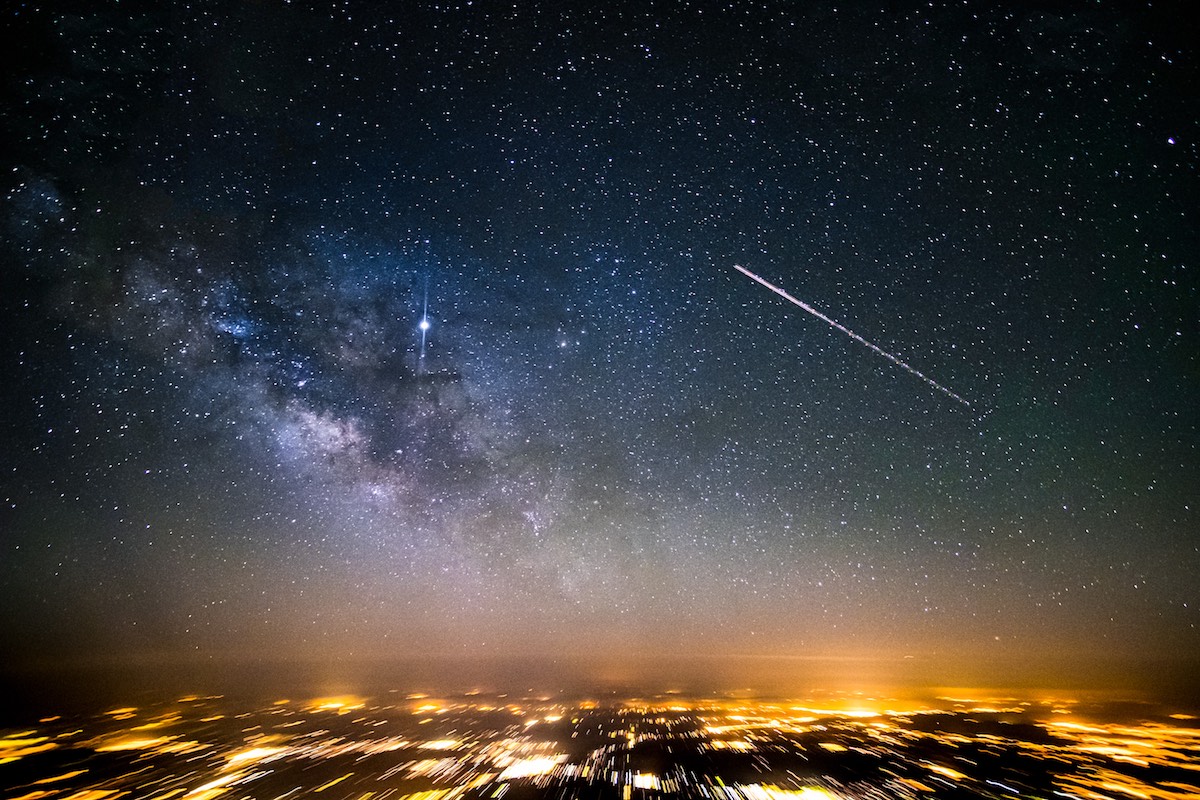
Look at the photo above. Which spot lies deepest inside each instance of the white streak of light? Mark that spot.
(849, 333)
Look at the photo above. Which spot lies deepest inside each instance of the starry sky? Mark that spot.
(228, 435)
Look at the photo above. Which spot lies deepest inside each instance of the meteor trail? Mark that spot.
(849, 333)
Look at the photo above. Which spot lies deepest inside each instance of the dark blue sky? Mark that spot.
(222, 227)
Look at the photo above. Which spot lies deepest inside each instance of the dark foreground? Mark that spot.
(500, 746)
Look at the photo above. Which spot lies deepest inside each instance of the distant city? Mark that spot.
(413, 746)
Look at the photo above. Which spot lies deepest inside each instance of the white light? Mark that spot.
(424, 325)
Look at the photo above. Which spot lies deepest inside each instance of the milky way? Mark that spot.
(228, 433)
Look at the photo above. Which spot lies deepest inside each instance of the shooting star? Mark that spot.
(898, 362)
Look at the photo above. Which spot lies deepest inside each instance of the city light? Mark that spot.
(478, 746)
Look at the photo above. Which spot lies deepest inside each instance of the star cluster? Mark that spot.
(332, 329)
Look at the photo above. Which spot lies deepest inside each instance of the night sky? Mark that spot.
(227, 435)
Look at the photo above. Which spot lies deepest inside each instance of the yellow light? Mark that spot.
(756, 791)
(735, 744)
(333, 782)
(340, 703)
(21, 740)
(442, 744)
(812, 793)
(252, 755)
(132, 743)
(646, 780)
(63, 777)
(13, 755)
(953, 775)
(530, 767)
(214, 787)
(1125, 789)
(921, 787)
